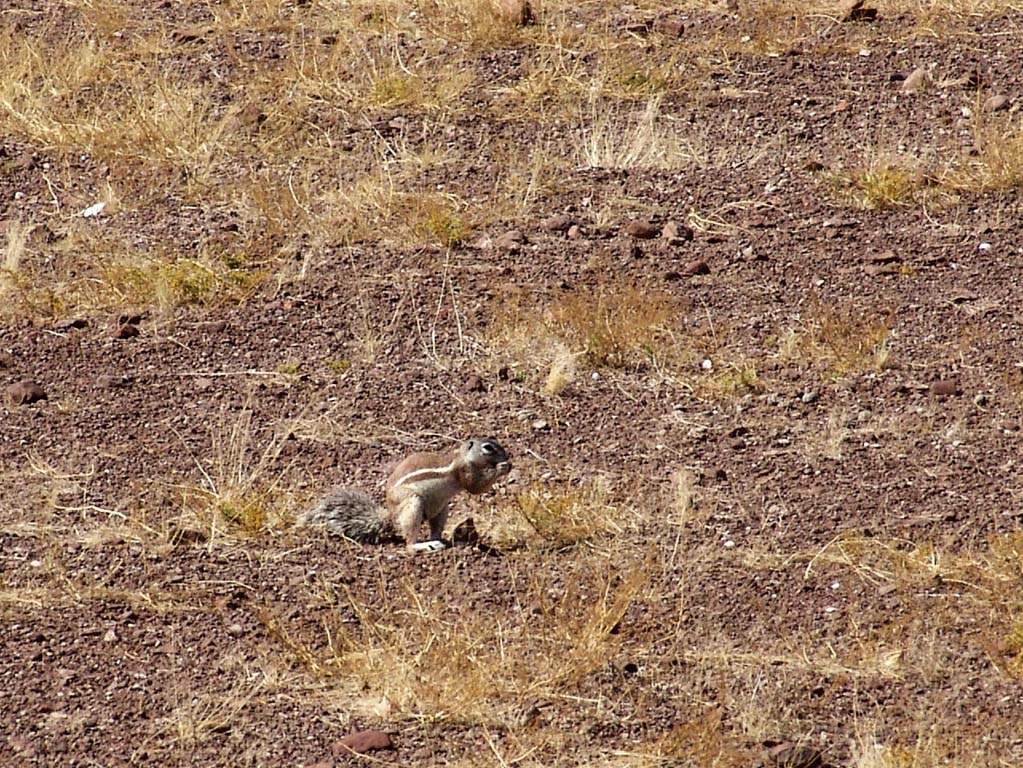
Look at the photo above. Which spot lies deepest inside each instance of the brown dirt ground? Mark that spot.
(847, 574)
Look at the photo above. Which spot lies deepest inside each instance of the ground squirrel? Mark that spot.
(418, 489)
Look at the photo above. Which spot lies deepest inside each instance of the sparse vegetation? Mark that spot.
(239, 491)
(741, 513)
(841, 339)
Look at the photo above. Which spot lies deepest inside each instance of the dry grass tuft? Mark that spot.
(840, 340)
(580, 514)
(612, 325)
(996, 162)
(239, 492)
(437, 666)
(881, 181)
(646, 139)
(615, 326)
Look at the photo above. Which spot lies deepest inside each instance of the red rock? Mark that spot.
(697, 267)
(944, 387)
(361, 742)
(251, 116)
(72, 323)
(517, 12)
(643, 230)
(509, 241)
(558, 223)
(126, 331)
(25, 392)
(789, 755)
(885, 257)
(676, 233)
(916, 80)
(854, 10)
(465, 533)
(191, 34)
(996, 103)
(669, 26)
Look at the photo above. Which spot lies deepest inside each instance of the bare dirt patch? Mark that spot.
(742, 303)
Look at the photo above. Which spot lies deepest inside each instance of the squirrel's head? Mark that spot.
(488, 460)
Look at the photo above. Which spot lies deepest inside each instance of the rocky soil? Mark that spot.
(789, 514)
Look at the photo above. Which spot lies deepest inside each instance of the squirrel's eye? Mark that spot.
(489, 448)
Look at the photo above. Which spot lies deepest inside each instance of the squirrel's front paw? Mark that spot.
(427, 546)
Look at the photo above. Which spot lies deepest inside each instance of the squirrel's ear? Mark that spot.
(468, 446)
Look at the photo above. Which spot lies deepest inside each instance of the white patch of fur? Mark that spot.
(425, 475)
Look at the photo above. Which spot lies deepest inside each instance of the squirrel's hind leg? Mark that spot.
(409, 518)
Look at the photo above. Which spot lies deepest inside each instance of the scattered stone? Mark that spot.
(669, 26)
(25, 392)
(21, 746)
(631, 26)
(713, 475)
(677, 234)
(517, 12)
(885, 257)
(854, 10)
(945, 388)
(736, 444)
(126, 331)
(6, 360)
(73, 323)
(203, 384)
(185, 537)
(996, 103)
(963, 297)
(113, 381)
(510, 240)
(110, 636)
(642, 230)
(191, 34)
(94, 210)
(26, 161)
(251, 116)
(790, 755)
(809, 397)
(214, 326)
(465, 533)
(916, 80)
(574, 232)
(875, 270)
(235, 629)
(541, 425)
(697, 267)
(561, 222)
(473, 383)
(361, 742)
(814, 166)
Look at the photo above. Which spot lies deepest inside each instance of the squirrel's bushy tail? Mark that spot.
(349, 513)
